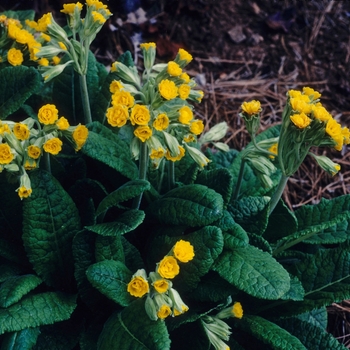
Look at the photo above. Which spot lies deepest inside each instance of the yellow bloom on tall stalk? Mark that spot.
(68, 9)
(53, 146)
(80, 135)
(48, 114)
(161, 286)
(167, 89)
(321, 113)
(45, 37)
(117, 115)
(301, 120)
(197, 127)
(300, 105)
(174, 69)
(15, 57)
(4, 128)
(24, 192)
(147, 46)
(123, 98)
(333, 128)
(43, 62)
(115, 86)
(313, 94)
(181, 154)
(98, 4)
(62, 123)
(168, 267)
(21, 131)
(185, 56)
(98, 17)
(161, 122)
(273, 149)
(252, 107)
(164, 312)
(157, 153)
(6, 156)
(184, 91)
(185, 115)
(185, 77)
(183, 251)
(33, 151)
(140, 115)
(138, 287)
(143, 132)
(237, 310)
(62, 45)
(43, 22)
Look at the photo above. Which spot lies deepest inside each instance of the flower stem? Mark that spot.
(85, 98)
(47, 163)
(278, 194)
(239, 180)
(143, 165)
(171, 175)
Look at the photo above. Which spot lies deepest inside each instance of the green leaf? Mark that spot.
(111, 278)
(126, 58)
(332, 235)
(220, 180)
(129, 190)
(21, 340)
(269, 333)
(14, 288)
(21, 15)
(226, 222)
(107, 148)
(17, 84)
(133, 329)
(254, 272)
(133, 258)
(313, 337)
(50, 222)
(9, 270)
(296, 291)
(192, 205)
(235, 238)
(37, 310)
(109, 248)
(251, 213)
(222, 159)
(317, 317)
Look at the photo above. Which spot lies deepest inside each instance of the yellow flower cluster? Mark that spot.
(158, 107)
(22, 144)
(162, 300)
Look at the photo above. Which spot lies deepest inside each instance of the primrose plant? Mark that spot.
(126, 223)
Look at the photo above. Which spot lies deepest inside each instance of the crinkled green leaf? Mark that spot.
(21, 340)
(222, 159)
(259, 242)
(254, 272)
(317, 317)
(14, 288)
(192, 205)
(107, 148)
(236, 237)
(251, 213)
(111, 278)
(126, 58)
(226, 222)
(296, 291)
(122, 332)
(338, 233)
(220, 180)
(50, 221)
(310, 335)
(37, 310)
(17, 84)
(129, 190)
(109, 248)
(270, 333)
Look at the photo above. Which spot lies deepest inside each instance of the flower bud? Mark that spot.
(216, 133)
(326, 164)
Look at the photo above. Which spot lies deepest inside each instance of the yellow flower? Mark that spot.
(140, 115)
(56, 60)
(48, 114)
(45, 37)
(183, 251)
(4, 128)
(168, 267)
(174, 69)
(43, 62)
(161, 286)
(115, 86)
(98, 4)
(12, 30)
(168, 155)
(300, 105)
(185, 56)
(164, 312)
(252, 107)
(15, 57)
(30, 164)
(21, 131)
(143, 132)
(6, 156)
(62, 45)
(117, 115)
(177, 312)
(184, 91)
(185, 77)
(186, 115)
(333, 128)
(62, 123)
(321, 113)
(189, 138)
(167, 89)
(138, 287)
(33, 151)
(69, 8)
(346, 133)
(43, 22)
(98, 17)
(300, 120)
(157, 154)
(237, 310)
(53, 146)
(147, 46)
(80, 135)
(24, 192)
(123, 98)
(161, 122)
(197, 127)
(311, 93)
(273, 149)
(294, 93)
(2, 18)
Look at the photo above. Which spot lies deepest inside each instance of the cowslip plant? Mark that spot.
(124, 234)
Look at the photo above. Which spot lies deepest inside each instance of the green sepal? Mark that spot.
(106, 147)
(17, 84)
(121, 332)
(14, 288)
(254, 272)
(269, 333)
(192, 205)
(21, 340)
(111, 278)
(45, 308)
(50, 221)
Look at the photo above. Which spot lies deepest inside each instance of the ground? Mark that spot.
(243, 50)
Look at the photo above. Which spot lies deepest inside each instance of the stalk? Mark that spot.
(85, 98)
(143, 165)
(171, 175)
(239, 180)
(278, 194)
